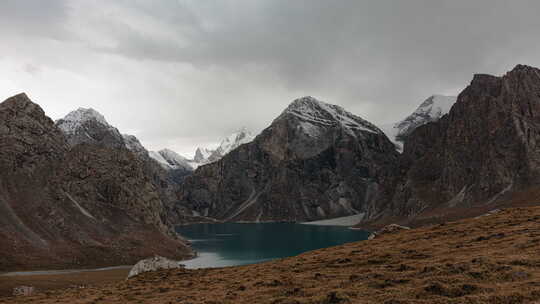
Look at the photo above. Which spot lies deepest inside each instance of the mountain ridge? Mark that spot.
(328, 175)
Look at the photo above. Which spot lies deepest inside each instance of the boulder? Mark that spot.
(22, 291)
(390, 229)
(153, 264)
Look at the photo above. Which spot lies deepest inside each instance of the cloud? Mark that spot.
(183, 73)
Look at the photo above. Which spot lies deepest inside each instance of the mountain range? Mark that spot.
(77, 191)
(71, 193)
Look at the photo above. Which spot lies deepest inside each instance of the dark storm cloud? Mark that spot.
(209, 67)
(382, 52)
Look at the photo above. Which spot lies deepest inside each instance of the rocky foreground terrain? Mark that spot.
(490, 259)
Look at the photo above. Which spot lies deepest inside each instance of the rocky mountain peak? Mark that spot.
(22, 104)
(318, 113)
(202, 155)
(432, 109)
(314, 161)
(231, 142)
(485, 149)
(521, 68)
(86, 125)
(59, 202)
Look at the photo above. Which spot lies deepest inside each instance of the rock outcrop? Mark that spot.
(153, 264)
(315, 161)
(67, 204)
(389, 229)
(485, 148)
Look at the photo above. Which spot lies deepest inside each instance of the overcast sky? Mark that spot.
(182, 74)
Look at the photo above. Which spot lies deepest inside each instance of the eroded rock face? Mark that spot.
(315, 161)
(488, 145)
(63, 205)
(153, 264)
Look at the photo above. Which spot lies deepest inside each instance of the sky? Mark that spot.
(182, 74)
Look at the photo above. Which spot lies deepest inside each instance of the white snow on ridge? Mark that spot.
(169, 159)
(176, 160)
(74, 119)
(233, 141)
(317, 112)
(162, 161)
(432, 109)
(202, 154)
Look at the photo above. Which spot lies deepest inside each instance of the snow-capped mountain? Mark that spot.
(89, 126)
(231, 142)
(172, 160)
(313, 113)
(315, 161)
(75, 119)
(202, 155)
(169, 159)
(432, 109)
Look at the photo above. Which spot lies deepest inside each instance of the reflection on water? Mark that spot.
(230, 244)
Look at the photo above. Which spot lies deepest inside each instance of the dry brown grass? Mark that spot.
(62, 281)
(493, 259)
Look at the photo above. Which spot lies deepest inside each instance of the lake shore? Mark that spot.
(491, 259)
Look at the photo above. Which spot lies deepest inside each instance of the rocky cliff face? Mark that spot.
(484, 149)
(315, 161)
(65, 204)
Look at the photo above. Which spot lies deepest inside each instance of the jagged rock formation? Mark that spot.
(204, 155)
(432, 109)
(182, 166)
(315, 161)
(233, 141)
(67, 204)
(483, 150)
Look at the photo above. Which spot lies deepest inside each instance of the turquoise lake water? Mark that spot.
(231, 244)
